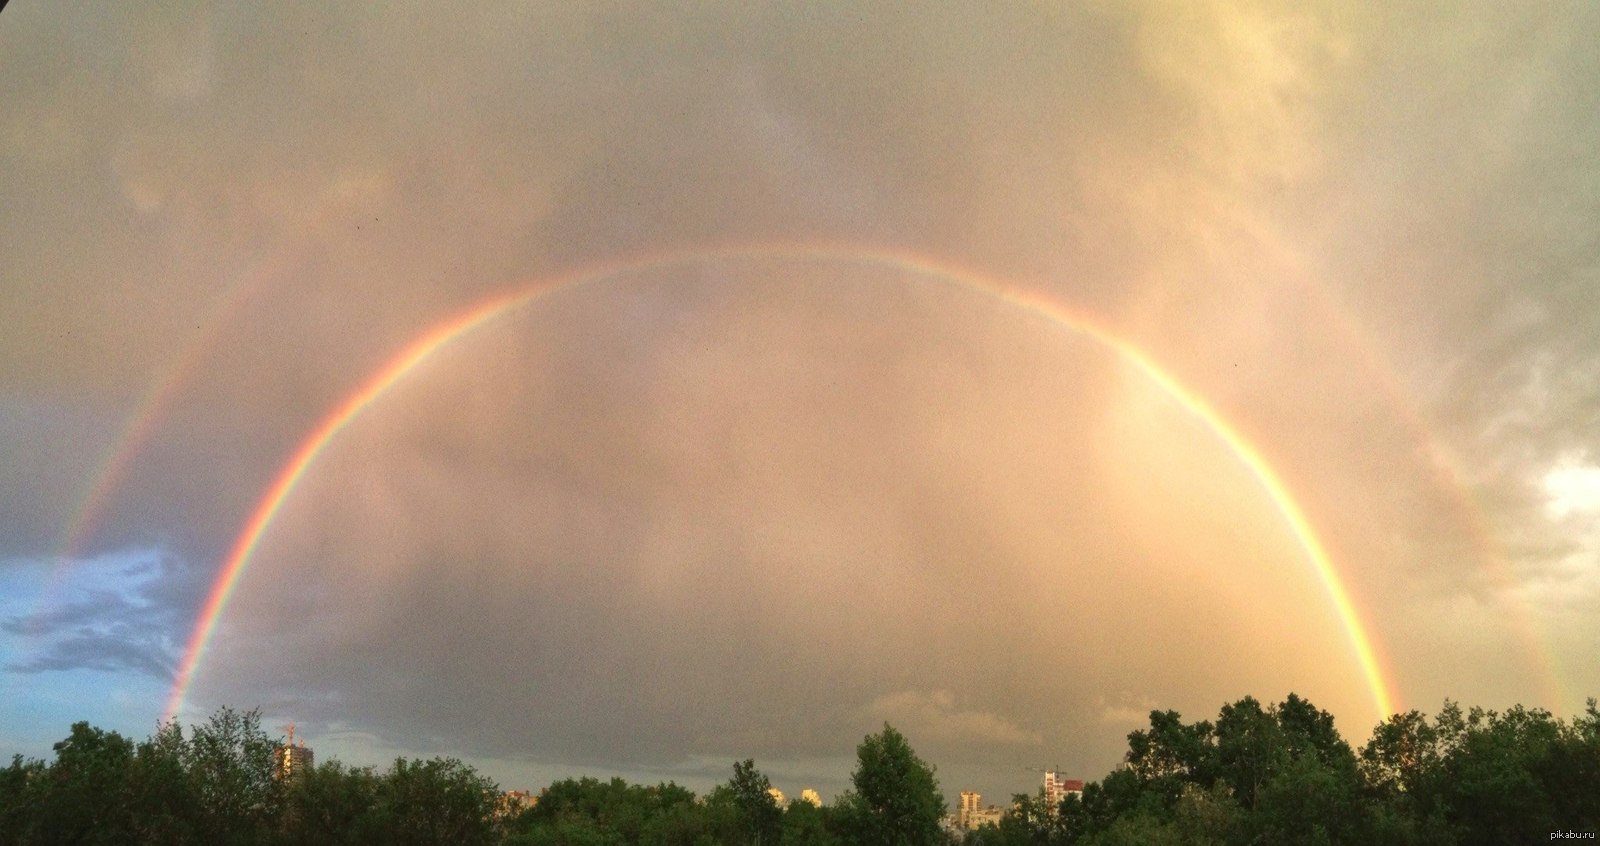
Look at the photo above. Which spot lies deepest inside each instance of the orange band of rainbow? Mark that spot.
(486, 311)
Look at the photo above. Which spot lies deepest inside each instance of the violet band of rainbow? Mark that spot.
(441, 335)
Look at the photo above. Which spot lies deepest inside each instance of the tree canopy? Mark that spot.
(1256, 774)
(896, 799)
(1282, 774)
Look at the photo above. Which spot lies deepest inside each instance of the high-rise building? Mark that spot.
(291, 759)
(1057, 788)
(972, 813)
(971, 802)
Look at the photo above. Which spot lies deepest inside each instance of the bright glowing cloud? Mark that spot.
(1572, 488)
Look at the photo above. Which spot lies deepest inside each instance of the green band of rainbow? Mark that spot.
(443, 334)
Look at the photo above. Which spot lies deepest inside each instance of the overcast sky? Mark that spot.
(760, 497)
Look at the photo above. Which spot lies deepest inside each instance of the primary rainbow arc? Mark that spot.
(443, 334)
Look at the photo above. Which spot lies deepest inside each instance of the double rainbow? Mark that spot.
(488, 310)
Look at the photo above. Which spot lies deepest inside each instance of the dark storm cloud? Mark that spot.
(116, 648)
(1466, 237)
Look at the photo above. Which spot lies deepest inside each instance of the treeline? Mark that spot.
(895, 800)
(1282, 774)
(216, 784)
(1278, 774)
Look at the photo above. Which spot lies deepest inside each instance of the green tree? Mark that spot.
(229, 763)
(805, 824)
(678, 819)
(1401, 757)
(332, 803)
(1402, 773)
(1307, 802)
(1121, 793)
(1308, 730)
(440, 800)
(896, 800)
(1571, 771)
(1171, 750)
(1311, 792)
(84, 796)
(1250, 748)
(1208, 817)
(1140, 829)
(1028, 824)
(1168, 757)
(759, 817)
(20, 785)
(1494, 774)
(588, 810)
(163, 789)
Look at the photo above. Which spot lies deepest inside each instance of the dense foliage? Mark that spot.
(215, 785)
(1274, 774)
(896, 799)
(1282, 774)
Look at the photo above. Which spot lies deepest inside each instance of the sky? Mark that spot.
(628, 389)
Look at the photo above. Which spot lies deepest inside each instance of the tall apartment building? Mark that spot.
(971, 802)
(972, 813)
(289, 761)
(291, 758)
(1057, 788)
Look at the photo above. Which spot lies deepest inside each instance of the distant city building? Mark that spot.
(1057, 788)
(971, 802)
(291, 759)
(809, 795)
(991, 814)
(972, 813)
(513, 802)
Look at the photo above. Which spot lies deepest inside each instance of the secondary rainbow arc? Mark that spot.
(1444, 464)
(484, 312)
(140, 424)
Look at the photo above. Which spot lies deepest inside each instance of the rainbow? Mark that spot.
(1445, 466)
(157, 399)
(118, 456)
(455, 328)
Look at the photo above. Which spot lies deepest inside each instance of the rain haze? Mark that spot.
(591, 388)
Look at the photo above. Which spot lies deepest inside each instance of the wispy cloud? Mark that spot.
(110, 616)
(937, 715)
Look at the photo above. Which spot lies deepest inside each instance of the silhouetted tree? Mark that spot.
(84, 795)
(21, 785)
(333, 804)
(896, 800)
(440, 800)
(588, 810)
(759, 817)
(229, 764)
(805, 824)
(1280, 774)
